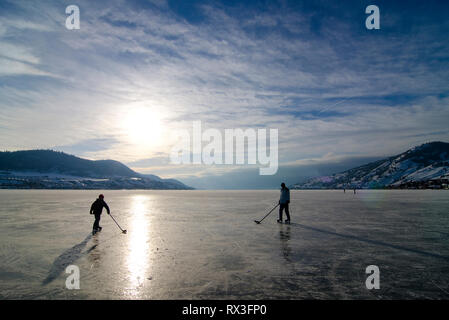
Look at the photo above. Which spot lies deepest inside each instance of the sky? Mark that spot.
(137, 73)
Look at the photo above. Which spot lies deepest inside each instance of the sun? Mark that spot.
(143, 126)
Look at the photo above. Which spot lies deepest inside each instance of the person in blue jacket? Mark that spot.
(283, 203)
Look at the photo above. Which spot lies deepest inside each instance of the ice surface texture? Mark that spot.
(205, 245)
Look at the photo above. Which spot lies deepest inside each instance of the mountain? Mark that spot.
(424, 166)
(47, 169)
(59, 162)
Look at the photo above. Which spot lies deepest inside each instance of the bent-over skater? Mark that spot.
(96, 209)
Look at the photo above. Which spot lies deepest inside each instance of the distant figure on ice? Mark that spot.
(96, 209)
(354, 190)
(283, 202)
(344, 190)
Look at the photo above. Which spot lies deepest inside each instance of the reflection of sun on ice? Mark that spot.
(138, 256)
(143, 126)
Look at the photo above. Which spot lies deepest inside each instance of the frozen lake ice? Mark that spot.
(205, 245)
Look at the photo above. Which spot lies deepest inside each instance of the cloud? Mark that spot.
(10, 67)
(87, 147)
(151, 162)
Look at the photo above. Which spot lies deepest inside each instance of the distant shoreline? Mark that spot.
(123, 189)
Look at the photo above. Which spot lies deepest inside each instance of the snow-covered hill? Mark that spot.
(416, 166)
(46, 169)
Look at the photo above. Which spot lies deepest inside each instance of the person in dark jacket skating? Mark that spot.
(96, 209)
